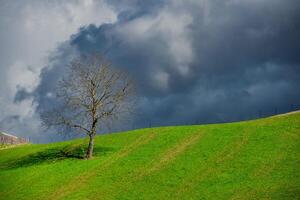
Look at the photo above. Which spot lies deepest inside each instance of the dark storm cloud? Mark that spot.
(197, 61)
(21, 95)
(51, 75)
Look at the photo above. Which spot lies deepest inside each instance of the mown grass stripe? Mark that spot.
(79, 181)
(169, 155)
(227, 154)
(158, 163)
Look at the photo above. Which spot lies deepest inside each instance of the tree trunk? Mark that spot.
(89, 153)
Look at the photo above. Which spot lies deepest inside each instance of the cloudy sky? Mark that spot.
(194, 61)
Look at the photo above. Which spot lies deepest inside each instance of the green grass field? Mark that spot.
(257, 159)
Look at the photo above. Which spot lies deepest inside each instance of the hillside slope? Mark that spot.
(258, 159)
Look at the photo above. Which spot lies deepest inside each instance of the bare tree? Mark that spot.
(92, 94)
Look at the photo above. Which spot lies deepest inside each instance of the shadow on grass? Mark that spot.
(52, 155)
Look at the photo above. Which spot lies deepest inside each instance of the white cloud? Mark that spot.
(174, 27)
(20, 75)
(171, 24)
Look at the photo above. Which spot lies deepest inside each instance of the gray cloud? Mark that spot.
(194, 61)
(204, 61)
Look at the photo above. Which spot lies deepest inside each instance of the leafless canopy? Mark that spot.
(92, 94)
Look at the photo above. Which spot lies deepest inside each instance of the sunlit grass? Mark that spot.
(258, 159)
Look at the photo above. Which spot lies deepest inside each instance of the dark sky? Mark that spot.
(194, 61)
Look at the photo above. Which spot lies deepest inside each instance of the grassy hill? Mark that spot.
(257, 159)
